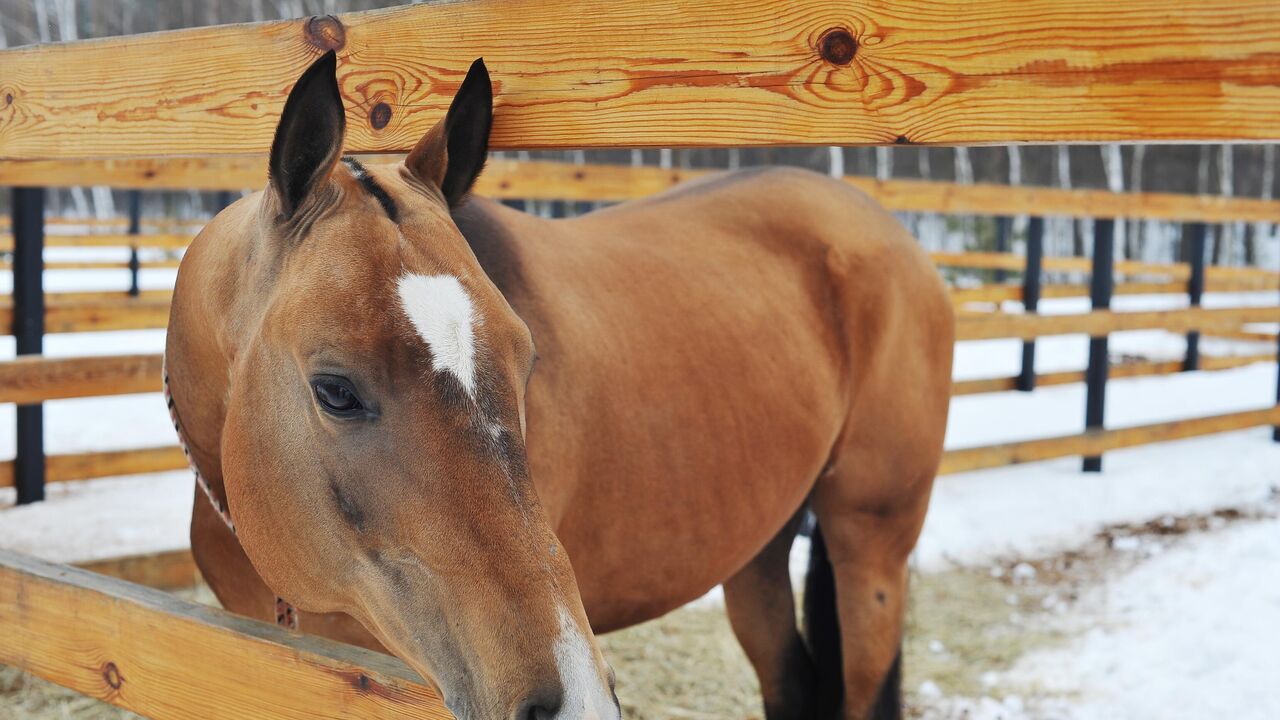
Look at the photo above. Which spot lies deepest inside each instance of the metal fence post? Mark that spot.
(135, 229)
(1195, 235)
(1004, 228)
(1100, 287)
(28, 332)
(1031, 298)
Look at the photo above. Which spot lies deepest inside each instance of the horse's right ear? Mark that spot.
(308, 140)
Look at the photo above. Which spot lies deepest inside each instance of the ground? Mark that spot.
(1150, 590)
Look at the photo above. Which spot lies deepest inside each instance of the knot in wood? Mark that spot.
(380, 115)
(837, 46)
(111, 674)
(325, 32)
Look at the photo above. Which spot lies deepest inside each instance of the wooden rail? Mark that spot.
(1116, 371)
(33, 379)
(147, 651)
(672, 73)
(167, 241)
(1177, 271)
(989, 326)
(1096, 442)
(170, 570)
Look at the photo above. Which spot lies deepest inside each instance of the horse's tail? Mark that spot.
(822, 632)
(822, 628)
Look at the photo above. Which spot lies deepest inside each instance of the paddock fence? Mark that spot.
(32, 380)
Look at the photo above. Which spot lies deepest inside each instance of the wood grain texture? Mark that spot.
(34, 379)
(1116, 371)
(673, 73)
(1096, 442)
(167, 658)
(166, 241)
(542, 180)
(1002, 325)
(172, 570)
(72, 467)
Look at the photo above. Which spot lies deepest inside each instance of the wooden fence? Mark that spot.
(33, 380)
(636, 74)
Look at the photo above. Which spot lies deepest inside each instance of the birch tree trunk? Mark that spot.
(884, 163)
(664, 158)
(835, 162)
(1113, 168)
(1068, 234)
(964, 176)
(1136, 235)
(1262, 230)
(735, 158)
(1225, 245)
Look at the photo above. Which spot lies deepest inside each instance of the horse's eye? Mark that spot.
(336, 395)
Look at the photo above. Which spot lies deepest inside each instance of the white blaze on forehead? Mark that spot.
(585, 695)
(441, 311)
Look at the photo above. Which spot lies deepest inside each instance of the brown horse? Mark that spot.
(352, 354)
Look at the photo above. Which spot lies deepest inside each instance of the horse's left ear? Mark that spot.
(452, 154)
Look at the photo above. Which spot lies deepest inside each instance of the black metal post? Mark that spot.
(28, 331)
(1195, 235)
(135, 229)
(1031, 277)
(1100, 287)
(1004, 228)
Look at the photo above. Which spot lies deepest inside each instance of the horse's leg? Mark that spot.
(867, 545)
(762, 611)
(239, 589)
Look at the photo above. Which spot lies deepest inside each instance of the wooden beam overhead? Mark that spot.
(673, 73)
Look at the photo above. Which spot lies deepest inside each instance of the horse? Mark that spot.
(437, 426)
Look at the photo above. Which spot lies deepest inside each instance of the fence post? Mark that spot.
(1195, 234)
(1100, 287)
(28, 332)
(1031, 298)
(135, 229)
(1004, 228)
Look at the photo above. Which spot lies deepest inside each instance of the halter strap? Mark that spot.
(286, 615)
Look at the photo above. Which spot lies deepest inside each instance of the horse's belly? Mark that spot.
(667, 517)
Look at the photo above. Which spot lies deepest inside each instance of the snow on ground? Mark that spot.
(1190, 633)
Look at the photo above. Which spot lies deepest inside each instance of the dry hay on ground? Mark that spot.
(962, 625)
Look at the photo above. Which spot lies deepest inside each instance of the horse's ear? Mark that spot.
(308, 139)
(452, 154)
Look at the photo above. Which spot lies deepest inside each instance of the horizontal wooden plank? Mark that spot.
(168, 241)
(73, 467)
(1178, 271)
(541, 180)
(672, 73)
(1004, 325)
(172, 570)
(35, 379)
(1001, 293)
(167, 658)
(1096, 442)
(1116, 371)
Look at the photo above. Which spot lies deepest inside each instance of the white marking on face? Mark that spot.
(585, 696)
(442, 313)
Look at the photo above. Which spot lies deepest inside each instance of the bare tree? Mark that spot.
(1262, 230)
(884, 163)
(1224, 243)
(1068, 227)
(1135, 233)
(1113, 168)
(835, 161)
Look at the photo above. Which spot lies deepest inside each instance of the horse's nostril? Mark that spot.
(541, 705)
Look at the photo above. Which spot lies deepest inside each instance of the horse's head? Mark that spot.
(373, 453)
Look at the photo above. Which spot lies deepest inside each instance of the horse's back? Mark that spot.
(699, 355)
